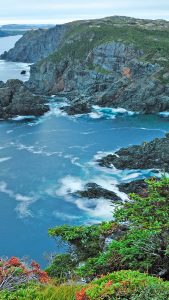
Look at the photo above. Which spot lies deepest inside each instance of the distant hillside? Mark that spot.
(25, 27)
(115, 62)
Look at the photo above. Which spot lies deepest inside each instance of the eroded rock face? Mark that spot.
(152, 155)
(115, 62)
(16, 99)
(35, 45)
(118, 79)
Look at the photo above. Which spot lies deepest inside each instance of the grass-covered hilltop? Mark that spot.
(126, 258)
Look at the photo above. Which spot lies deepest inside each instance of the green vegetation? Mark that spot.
(126, 285)
(35, 292)
(145, 245)
(128, 267)
(82, 37)
(141, 245)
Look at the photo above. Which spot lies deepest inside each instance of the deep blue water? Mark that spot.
(45, 160)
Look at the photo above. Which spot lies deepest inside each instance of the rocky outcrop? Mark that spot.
(118, 79)
(152, 155)
(139, 187)
(16, 99)
(36, 45)
(94, 191)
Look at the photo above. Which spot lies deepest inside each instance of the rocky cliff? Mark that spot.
(16, 99)
(115, 62)
(35, 45)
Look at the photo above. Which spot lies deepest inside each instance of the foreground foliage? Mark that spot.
(142, 244)
(114, 257)
(125, 285)
(38, 292)
(14, 273)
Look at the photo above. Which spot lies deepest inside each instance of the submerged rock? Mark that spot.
(16, 99)
(151, 155)
(79, 108)
(23, 72)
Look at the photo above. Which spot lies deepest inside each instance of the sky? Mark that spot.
(62, 11)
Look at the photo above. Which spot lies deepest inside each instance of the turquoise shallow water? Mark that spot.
(43, 161)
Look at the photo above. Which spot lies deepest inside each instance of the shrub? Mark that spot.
(125, 285)
(145, 245)
(14, 273)
(62, 266)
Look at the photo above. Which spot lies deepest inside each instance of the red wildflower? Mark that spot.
(14, 261)
(81, 295)
(109, 283)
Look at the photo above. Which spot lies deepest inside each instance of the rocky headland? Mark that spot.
(111, 62)
(151, 155)
(115, 62)
(16, 99)
(35, 45)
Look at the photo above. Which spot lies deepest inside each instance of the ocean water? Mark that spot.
(8, 69)
(44, 161)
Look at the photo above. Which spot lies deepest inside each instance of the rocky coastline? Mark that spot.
(149, 155)
(100, 62)
(17, 100)
(93, 63)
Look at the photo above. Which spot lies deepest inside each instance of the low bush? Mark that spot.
(14, 273)
(126, 285)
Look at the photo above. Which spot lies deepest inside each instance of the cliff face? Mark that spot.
(117, 78)
(116, 62)
(35, 45)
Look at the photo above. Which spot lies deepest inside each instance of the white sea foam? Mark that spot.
(23, 207)
(69, 185)
(164, 114)
(40, 150)
(9, 131)
(24, 201)
(2, 159)
(108, 112)
(21, 118)
(74, 160)
(59, 215)
(96, 208)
